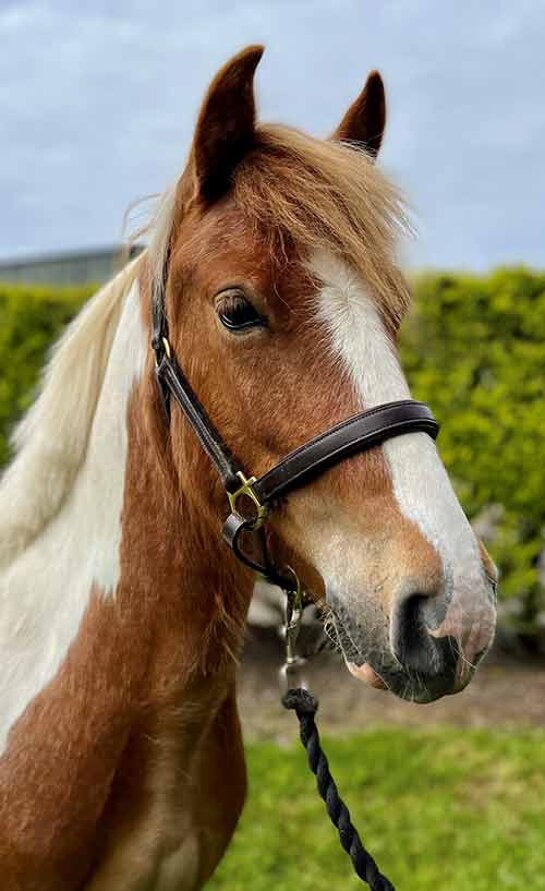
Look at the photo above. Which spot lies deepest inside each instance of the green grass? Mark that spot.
(443, 809)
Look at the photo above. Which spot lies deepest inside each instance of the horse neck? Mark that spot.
(46, 586)
(124, 535)
(174, 566)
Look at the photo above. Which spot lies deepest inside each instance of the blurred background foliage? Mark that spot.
(31, 319)
(473, 347)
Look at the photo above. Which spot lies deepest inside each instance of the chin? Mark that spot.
(412, 686)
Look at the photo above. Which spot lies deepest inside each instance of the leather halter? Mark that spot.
(356, 434)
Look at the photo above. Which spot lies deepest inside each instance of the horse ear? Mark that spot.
(225, 129)
(365, 120)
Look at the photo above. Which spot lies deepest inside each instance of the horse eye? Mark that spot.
(236, 313)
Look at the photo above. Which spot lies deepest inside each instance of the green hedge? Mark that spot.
(31, 318)
(473, 347)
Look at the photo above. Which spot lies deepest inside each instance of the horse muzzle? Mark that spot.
(406, 655)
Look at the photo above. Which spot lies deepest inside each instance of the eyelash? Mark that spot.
(237, 313)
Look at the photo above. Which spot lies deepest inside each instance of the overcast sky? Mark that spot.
(98, 102)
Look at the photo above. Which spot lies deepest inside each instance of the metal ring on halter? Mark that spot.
(246, 490)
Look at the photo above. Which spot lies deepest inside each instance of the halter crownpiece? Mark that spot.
(356, 434)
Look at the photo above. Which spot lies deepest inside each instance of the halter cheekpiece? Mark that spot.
(356, 434)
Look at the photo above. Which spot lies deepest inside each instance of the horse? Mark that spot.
(123, 613)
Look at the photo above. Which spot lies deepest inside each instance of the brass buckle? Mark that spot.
(167, 350)
(247, 489)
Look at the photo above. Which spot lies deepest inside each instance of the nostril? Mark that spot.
(411, 642)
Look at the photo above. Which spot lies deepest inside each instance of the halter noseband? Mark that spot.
(356, 434)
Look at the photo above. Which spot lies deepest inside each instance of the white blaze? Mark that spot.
(420, 483)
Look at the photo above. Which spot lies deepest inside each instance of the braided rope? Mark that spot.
(305, 705)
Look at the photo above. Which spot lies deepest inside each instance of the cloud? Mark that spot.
(97, 104)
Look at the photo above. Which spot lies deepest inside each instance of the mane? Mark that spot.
(317, 194)
(50, 442)
(327, 194)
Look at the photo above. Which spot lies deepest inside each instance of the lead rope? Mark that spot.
(298, 699)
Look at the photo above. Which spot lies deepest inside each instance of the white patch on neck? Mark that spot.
(45, 590)
(420, 483)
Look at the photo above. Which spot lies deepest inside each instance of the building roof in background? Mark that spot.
(92, 266)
